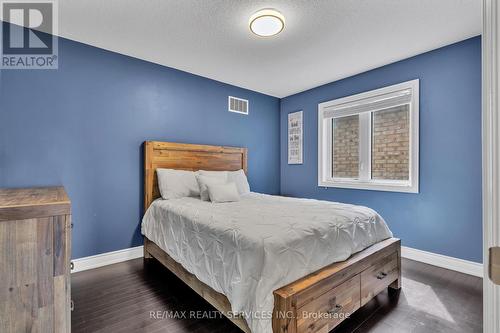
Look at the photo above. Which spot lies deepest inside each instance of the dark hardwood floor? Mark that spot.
(136, 297)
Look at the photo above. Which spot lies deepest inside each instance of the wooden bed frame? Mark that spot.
(315, 303)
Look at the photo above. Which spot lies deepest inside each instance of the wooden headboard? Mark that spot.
(183, 156)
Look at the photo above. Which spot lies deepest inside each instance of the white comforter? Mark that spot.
(249, 248)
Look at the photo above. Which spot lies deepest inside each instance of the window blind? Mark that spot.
(369, 104)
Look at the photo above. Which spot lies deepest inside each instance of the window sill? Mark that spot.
(374, 186)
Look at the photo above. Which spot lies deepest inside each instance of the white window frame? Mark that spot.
(395, 95)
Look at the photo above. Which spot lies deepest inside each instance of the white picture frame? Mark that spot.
(295, 137)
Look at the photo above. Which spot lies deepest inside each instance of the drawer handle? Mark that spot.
(335, 310)
(381, 275)
(71, 265)
(71, 305)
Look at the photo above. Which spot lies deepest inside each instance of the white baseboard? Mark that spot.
(108, 258)
(439, 260)
(455, 264)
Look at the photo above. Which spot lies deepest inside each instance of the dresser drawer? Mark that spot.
(330, 309)
(35, 251)
(378, 277)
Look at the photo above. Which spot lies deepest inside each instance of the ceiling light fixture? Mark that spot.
(267, 22)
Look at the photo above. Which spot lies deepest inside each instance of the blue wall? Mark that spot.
(82, 126)
(445, 217)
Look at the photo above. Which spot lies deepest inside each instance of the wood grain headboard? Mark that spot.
(183, 156)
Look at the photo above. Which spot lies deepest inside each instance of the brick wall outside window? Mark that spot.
(346, 147)
(391, 143)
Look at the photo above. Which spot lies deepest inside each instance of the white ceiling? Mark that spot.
(323, 41)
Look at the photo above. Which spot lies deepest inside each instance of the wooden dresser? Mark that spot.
(35, 238)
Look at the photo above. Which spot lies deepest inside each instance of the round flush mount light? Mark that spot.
(267, 22)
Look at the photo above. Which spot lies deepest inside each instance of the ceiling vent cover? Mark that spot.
(238, 105)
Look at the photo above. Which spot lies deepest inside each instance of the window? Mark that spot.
(370, 140)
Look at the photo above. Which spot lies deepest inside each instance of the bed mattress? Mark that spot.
(247, 249)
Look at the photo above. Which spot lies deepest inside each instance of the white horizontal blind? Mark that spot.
(369, 104)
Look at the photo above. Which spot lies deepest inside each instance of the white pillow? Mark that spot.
(177, 183)
(223, 193)
(204, 181)
(241, 181)
(217, 174)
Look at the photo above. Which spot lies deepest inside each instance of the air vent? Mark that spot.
(238, 105)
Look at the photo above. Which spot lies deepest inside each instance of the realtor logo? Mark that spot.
(28, 35)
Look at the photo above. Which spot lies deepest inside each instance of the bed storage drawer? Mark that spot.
(331, 308)
(378, 277)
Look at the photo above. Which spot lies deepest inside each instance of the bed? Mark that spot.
(270, 264)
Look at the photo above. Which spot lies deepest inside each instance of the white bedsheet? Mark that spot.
(249, 248)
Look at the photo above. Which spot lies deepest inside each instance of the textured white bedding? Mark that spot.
(247, 249)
